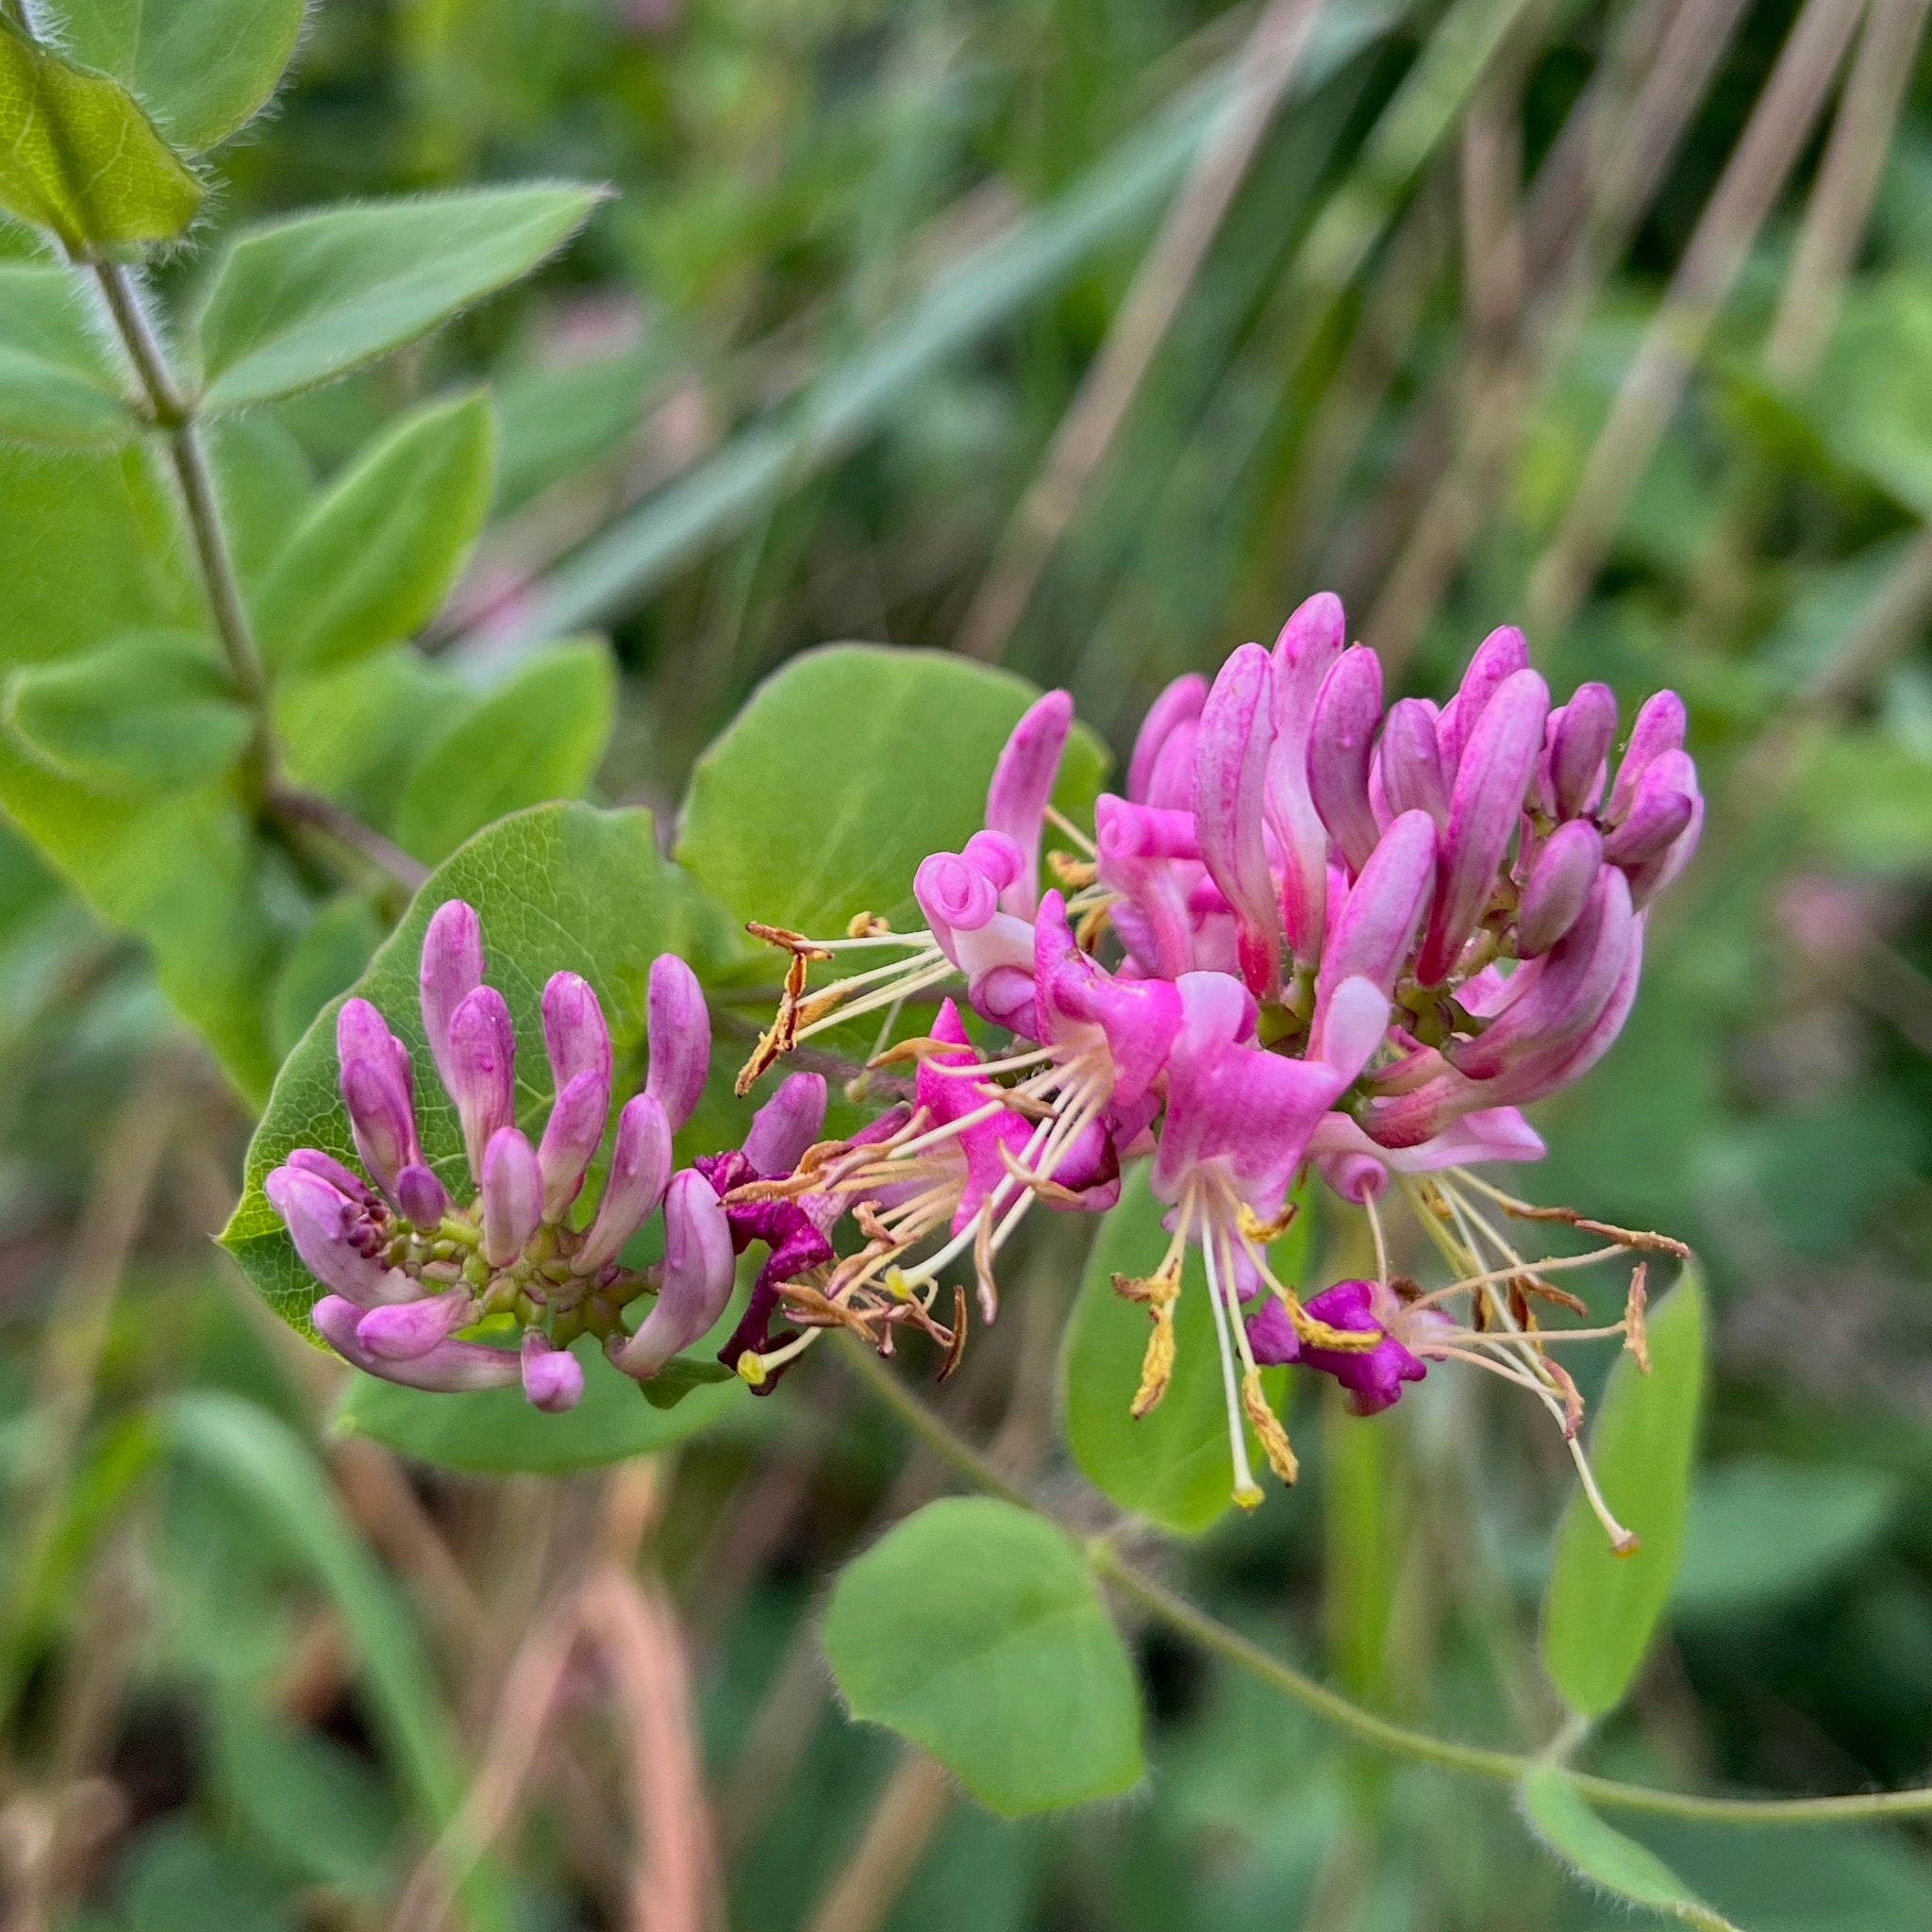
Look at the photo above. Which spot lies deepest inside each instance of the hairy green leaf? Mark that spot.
(1602, 1608)
(844, 771)
(540, 735)
(202, 68)
(1603, 1858)
(560, 886)
(299, 302)
(374, 559)
(1173, 1466)
(56, 382)
(78, 156)
(977, 1630)
(145, 712)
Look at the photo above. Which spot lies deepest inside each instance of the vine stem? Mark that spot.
(1189, 1621)
(174, 413)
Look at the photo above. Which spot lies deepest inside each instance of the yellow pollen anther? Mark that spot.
(897, 1286)
(1266, 1426)
(1249, 1496)
(1636, 1334)
(1265, 1234)
(1320, 1335)
(751, 1369)
(867, 926)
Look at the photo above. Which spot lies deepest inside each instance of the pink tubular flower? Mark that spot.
(1230, 784)
(1308, 647)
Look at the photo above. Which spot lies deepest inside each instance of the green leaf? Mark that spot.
(1867, 798)
(1605, 1858)
(327, 959)
(1602, 1608)
(977, 1630)
(540, 735)
(495, 1432)
(682, 1375)
(299, 302)
(147, 712)
(1173, 1466)
(78, 156)
(562, 886)
(373, 560)
(57, 383)
(844, 771)
(203, 68)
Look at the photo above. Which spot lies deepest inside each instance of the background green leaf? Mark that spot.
(1605, 1858)
(202, 68)
(374, 559)
(78, 156)
(1173, 1466)
(562, 886)
(301, 301)
(977, 1630)
(540, 735)
(1602, 1608)
(57, 384)
(844, 771)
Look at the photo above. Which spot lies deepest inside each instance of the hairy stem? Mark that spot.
(1474, 1760)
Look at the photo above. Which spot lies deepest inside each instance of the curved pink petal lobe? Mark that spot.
(1374, 1377)
(1180, 704)
(699, 1269)
(1558, 885)
(452, 970)
(640, 1172)
(1377, 927)
(1672, 773)
(553, 1378)
(451, 1368)
(335, 1237)
(1021, 790)
(572, 1136)
(405, 1330)
(679, 1033)
(1660, 726)
(1310, 643)
(1500, 657)
(1410, 763)
(787, 1125)
(1341, 743)
(1135, 1021)
(1230, 785)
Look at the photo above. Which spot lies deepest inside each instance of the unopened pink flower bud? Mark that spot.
(345, 1180)
(420, 1196)
(640, 1167)
(324, 1223)
(451, 1368)
(575, 1034)
(1560, 883)
(1660, 726)
(571, 1138)
(1499, 658)
(553, 1378)
(1230, 783)
(680, 1038)
(1341, 743)
(1021, 790)
(1410, 763)
(998, 857)
(1671, 774)
(512, 1196)
(1371, 935)
(405, 1330)
(1579, 743)
(379, 1118)
(1311, 642)
(955, 895)
(1180, 704)
(482, 1070)
(787, 1125)
(1491, 780)
(452, 970)
(697, 1279)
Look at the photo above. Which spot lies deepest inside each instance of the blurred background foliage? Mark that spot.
(943, 324)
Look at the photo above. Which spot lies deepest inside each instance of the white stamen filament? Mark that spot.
(1246, 1490)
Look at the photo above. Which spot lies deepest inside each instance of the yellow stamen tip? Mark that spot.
(751, 1369)
(1249, 1495)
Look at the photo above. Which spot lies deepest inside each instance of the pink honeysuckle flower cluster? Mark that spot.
(1316, 933)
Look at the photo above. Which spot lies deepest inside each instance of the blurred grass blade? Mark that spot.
(265, 1463)
(986, 287)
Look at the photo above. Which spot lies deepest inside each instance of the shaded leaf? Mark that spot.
(57, 383)
(298, 302)
(327, 959)
(977, 1630)
(1602, 1608)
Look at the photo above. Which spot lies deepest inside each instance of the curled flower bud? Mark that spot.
(451, 1368)
(680, 1038)
(404, 1331)
(380, 1118)
(1341, 744)
(452, 970)
(482, 1070)
(954, 894)
(571, 1138)
(1410, 763)
(1497, 760)
(640, 1167)
(575, 1034)
(313, 1160)
(1660, 726)
(512, 1196)
(553, 1378)
(1559, 882)
(1180, 704)
(1673, 774)
(1230, 781)
(787, 1125)
(326, 1228)
(698, 1273)
(420, 1196)
(1579, 742)
(1500, 657)
(1021, 790)
(998, 857)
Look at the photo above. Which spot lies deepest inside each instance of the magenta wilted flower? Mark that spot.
(410, 1266)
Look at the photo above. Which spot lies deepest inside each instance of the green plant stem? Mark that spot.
(1474, 1760)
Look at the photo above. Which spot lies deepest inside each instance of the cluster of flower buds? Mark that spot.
(408, 1264)
(1316, 932)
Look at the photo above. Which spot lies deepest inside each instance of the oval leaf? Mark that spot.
(148, 711)
(495, 1432)
(975, 1630)
(563, 885)
(1171, 1466)
(299, 302)
(1602, 1608)
(1603, 1858)
(57, 384)
(203, 68)
(541, 734)
(844, 771)
(77, 155)
(373, 560)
